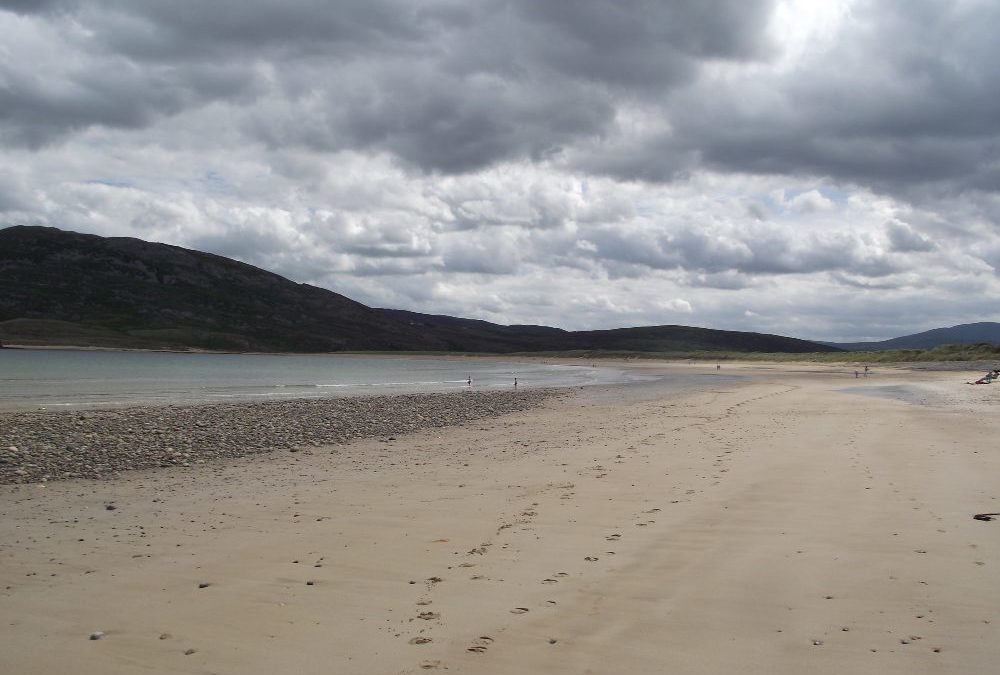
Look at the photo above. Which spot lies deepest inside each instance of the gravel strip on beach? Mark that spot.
(38, 446)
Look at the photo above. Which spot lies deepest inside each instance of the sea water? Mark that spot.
(39, 378)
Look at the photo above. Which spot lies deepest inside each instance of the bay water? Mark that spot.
(48, 378)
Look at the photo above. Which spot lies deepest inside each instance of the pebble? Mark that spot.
(97, 635)
(60, 444)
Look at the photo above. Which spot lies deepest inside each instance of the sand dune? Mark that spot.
(769, 524)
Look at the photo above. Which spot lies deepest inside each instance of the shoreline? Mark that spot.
(633, 358)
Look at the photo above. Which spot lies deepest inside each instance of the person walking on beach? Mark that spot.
(515, 383)
(469, 382)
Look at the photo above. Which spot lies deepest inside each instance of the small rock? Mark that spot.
(97, 635)
(204, 584)
(189, 652)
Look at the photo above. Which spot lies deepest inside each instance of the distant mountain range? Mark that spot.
(964, 334)
(66, 288)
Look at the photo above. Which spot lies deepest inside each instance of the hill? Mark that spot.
(984, 332)
(124, 292)
(66, 288)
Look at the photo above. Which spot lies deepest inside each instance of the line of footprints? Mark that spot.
(482, 643)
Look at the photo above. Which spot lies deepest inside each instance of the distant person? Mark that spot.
(515, 383)
(718, 367)
(469, 382)
(856, 374)
(866, 371)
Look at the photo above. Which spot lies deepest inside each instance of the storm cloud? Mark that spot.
(774, 165)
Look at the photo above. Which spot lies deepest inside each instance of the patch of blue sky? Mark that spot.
(215, 183)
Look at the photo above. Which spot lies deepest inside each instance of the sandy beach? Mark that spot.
(766, 523)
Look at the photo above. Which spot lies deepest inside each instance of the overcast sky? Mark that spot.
(816, 168)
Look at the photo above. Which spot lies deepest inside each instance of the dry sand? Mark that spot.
(769, 525)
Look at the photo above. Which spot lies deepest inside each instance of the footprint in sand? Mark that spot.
(420, 640)
(591, 558)
(550, 581)
(561, 574)
(520, 610)
(613, 537)
(427, 616)
(480, 644)
(430, 664)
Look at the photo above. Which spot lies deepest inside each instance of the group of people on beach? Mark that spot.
(988, 377)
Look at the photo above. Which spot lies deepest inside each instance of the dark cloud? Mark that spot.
(35, 109)
(906, 99)
(443, 86)
(903, 238)
(33, 6)
(639, 44)
(188, 30)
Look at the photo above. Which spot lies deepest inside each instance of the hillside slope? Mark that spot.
(67, 288)
(146, 294)
(964, 334)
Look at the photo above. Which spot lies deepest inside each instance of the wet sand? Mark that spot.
(770, 524)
